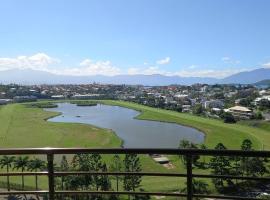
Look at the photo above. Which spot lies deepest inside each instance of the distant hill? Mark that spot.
(248, 77)
(40, 77)
(263, 83)
(29, 76)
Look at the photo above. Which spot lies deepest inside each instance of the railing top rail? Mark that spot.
(170, 151)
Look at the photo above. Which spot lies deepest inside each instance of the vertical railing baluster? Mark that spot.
(189, 177)
(50, 175)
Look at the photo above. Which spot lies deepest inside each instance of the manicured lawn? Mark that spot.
(231, 135)
(264, 125)
(21, 126)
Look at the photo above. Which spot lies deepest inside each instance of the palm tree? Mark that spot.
(6, 161)
(35, 165)
(21, 163)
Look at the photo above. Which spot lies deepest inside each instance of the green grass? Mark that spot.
(24, 126)
(21, 126)
(42, 105)
(231, 135)
(264, 125)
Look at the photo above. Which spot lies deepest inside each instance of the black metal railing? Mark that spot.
(189, 175)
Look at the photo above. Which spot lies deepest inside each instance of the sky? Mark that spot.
(203, 38)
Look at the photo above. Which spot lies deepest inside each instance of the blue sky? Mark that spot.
(172, 37)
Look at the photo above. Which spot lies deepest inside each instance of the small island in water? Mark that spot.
(84, 103)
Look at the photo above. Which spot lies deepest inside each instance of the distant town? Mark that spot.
(228, 102)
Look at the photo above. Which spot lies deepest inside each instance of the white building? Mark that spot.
(240, 112)
(58, 96)
(5, 101)
(186, 108)
(85, 96)
(213, 104)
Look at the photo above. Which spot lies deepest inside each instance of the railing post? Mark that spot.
(189, 177)
(50, 175)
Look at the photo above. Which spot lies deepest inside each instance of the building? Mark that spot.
(85, 96)
(57, 96)
(20, 99)
(5, 101)
(186, 108)
(240, 112)
(213, 104)
(258, 100)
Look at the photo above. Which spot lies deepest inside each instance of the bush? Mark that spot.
(228, 118)
(43, 105)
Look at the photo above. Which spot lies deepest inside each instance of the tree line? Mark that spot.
(82, 163)
(230, 166)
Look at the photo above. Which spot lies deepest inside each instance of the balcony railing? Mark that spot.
(189, 175)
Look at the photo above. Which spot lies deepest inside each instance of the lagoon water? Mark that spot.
(135, 133)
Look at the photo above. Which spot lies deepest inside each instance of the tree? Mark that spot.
(228, 117)
(63, 167)
(246, 145)
(80, 162)
(116, 166)
(253, 166)
(220, 165)
(258, 115)
(35, 165)
(104, 182)
(185, 144)
(6, 161)
(95, 164)
(256, 167)
(132, 164)
(204, 147)
(198, 187)
(197, 109)
(22, 164)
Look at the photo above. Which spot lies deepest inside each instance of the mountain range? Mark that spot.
(28, 77)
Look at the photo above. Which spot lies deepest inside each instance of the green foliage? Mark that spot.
(228, 118)
(6, 162)
(252, 166)
(185, 144)
(132, 164)
(35, 165)
(258, 115)
(246, 145)
(84, 103)
(264, 104)
(42, 105)
(220, 165)
(197, 109)
(198, 187)
(21, 163)
(116, 166)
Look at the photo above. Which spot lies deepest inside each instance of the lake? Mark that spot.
(135, 133)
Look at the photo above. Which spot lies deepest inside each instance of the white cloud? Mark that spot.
(39, 61)
(192, 66)
(189, 72)
(89, 67)
(208, 73)
(225, 59)
(229, 60)
(266, 65)
(164, 61)
(44, 62)
(147, 71)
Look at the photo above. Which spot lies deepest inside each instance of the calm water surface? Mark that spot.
(135, 133)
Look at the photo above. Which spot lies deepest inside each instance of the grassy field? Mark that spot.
(22, 126)
(231, 135)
